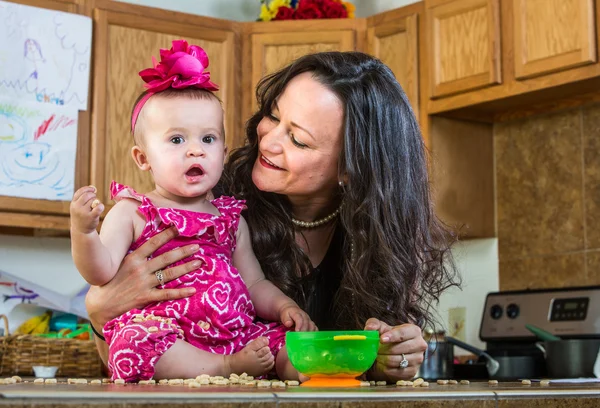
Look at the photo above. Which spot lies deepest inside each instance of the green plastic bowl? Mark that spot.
(318, 353)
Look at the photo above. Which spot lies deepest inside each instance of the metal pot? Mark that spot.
(439, 357)
(571, 358)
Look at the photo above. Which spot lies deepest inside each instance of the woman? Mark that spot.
(335, 178)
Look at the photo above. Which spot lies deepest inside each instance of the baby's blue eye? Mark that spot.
(177, 140)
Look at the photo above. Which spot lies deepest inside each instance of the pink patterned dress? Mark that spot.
(218, 318)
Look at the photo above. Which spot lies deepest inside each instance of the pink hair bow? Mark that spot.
(183, 66)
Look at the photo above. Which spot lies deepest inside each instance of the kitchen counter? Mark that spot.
(480, 394)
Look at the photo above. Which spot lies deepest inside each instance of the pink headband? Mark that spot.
(180, 67)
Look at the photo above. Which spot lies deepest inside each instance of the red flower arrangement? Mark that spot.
(305, 9)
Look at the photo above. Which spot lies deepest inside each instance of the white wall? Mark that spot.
(248, 10)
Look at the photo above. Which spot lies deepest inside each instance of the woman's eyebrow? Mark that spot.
(294, 124)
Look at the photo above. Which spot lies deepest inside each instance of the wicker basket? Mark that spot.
(73, 357)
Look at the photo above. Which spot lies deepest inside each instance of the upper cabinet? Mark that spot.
(125, 38)
(552, 35)
(394, 40)
(273, 45)
(464, 45)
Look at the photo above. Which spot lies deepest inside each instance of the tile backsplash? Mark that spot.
(548, 199)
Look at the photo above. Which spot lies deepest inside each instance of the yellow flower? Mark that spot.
(350, 8)
(265, 13)
(275, 4)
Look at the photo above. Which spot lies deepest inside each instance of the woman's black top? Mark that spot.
(323, 283)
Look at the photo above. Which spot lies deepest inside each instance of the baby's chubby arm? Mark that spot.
(98, 256)
(269, 301)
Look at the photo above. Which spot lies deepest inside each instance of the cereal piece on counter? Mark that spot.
(194, 384)
(163, 382)
(249, 377)
(188, 380)
(84, 381)
(106, 381)
(365, 384)
(175, 381)
(418, 382)
(465, 382)
(544, 383)
(243, 375)
(204, 381)
(493, 382)
(442, 382)
(295, 383)
(372, 382)
(250, 383)
(234, 381)
(233, 375)
(408, 383)
(278, 384)
(71, 380)
(203, 376)
(221, 381)
(401, 383)
(217, 377)
(119, 381)
(381, 383)
(424, 384)
(17, 378)
(38, 381)
(50, 381)
(10, 381)
(526, 382)
(452, 382)
(95, 382)
(264, 384)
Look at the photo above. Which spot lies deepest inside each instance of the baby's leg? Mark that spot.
(183, 360)
(283, 366)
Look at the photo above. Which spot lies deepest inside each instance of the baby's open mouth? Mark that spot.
(195, 172)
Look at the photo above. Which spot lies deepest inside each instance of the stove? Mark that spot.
(570, 313)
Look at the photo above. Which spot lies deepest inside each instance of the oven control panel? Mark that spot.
(565, 312)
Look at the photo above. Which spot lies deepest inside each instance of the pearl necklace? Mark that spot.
(313, 224)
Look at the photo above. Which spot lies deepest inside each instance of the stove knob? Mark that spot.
(512, 311)
(496, 312)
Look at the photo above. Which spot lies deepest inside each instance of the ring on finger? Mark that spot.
(404, 362)
(160, 277)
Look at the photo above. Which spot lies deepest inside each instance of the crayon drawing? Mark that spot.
(44, 55)
(37, 150)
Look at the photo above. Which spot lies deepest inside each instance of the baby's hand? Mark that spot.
(85, 210)
(292, 315)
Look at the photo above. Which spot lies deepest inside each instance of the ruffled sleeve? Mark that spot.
(119, 192)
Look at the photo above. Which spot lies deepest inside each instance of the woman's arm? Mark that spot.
(135, 284)
(396, 344)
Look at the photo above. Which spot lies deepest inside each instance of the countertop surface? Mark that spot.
(138, 393)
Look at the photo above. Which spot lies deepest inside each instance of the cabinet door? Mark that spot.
(464, 46)
(552, 35)
(9, 206)
(123, 46)
(396, 44)
(272, 51)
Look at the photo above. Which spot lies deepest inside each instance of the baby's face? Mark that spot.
(182, 144)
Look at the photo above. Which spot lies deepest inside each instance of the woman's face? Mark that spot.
(300, 142)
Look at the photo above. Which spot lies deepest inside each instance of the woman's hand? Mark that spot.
(135, 284)
(396, 344)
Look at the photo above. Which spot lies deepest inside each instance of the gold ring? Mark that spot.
(159, 277)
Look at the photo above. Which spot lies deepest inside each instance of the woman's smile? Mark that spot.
(268, 163)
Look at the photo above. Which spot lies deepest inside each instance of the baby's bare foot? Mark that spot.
(255, 359)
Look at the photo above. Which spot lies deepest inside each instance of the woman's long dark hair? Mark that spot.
(401, 261)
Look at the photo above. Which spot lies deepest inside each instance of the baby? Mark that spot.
(179, 138)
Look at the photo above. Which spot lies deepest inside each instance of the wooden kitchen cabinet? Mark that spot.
(395, 42)
(464, 45)
(125, 38)
(552, 35)
(272, 45)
